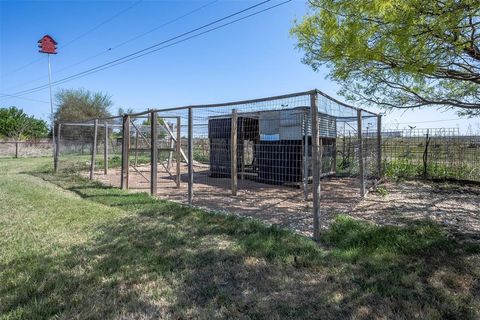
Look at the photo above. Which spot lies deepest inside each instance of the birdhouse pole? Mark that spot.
(49, 46)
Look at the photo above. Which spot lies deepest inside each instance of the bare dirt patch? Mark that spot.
(455, 206)
(396, 203)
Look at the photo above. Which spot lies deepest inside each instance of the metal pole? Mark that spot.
(305, 155)
(190, 156)
(316, 165)
(153, 153)
(360, 153)
(233, 153)
(379, 146)
(51, 111)
(94, 149)
(105, 149)
(178, 156)
(136, 147)
(125, 151)
(170, 153)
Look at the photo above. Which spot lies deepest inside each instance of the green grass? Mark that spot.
(71, 248)
(404, 168)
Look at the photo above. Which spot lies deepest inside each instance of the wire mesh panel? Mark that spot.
(431, 153)
(138, 151)
(76, 146)
(259, 158)
(25, 149)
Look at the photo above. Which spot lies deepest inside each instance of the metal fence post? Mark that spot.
(105, 149)
(170, 153)
(94, 149)
(305, 156)
(316, 164)
(153, 153)
(379, 146)
(190, 156)
(178, 150)
(125, 151)
(360, 153)
(233, 153)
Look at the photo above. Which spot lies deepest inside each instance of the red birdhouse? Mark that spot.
(47, 45)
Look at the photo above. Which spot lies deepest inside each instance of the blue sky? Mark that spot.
(249, 59)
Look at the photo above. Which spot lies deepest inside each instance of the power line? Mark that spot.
(81, 35)
(140, 51)
(162, 25)
(19, 97)
(125, 42)
(174, 43)
(102, 23)
(155, 48)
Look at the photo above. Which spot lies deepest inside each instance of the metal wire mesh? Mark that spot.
(20, 149)
(431, 153)
(253, 158)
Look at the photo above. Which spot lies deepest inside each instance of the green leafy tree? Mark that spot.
(80, 104)
(77, 105)
(397, 53)
(16, 124)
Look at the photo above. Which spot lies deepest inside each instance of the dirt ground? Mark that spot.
(395, 203)
(453, 205)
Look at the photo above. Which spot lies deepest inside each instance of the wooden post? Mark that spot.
(360, 153)
(125, 151)
(316, 164)
(379, 146)
(233, 153)
(94, 149)
(178, 149)
(153, 153)
(105, 149)
(16, 149)
(57, 148)
(305, 155)
(190, 156)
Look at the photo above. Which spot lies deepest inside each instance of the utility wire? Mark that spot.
(155, 48)
(102, 23)
(24, 98)
(125, 42)
(140, 51)
(168, 45)
(81, 35)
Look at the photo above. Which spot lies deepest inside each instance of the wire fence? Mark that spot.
(23, 149)
(431, 153)
(289, 160)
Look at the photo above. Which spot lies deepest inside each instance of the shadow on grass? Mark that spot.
(165, 260)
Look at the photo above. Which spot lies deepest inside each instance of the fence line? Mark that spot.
(249, 157)
(25, 148)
